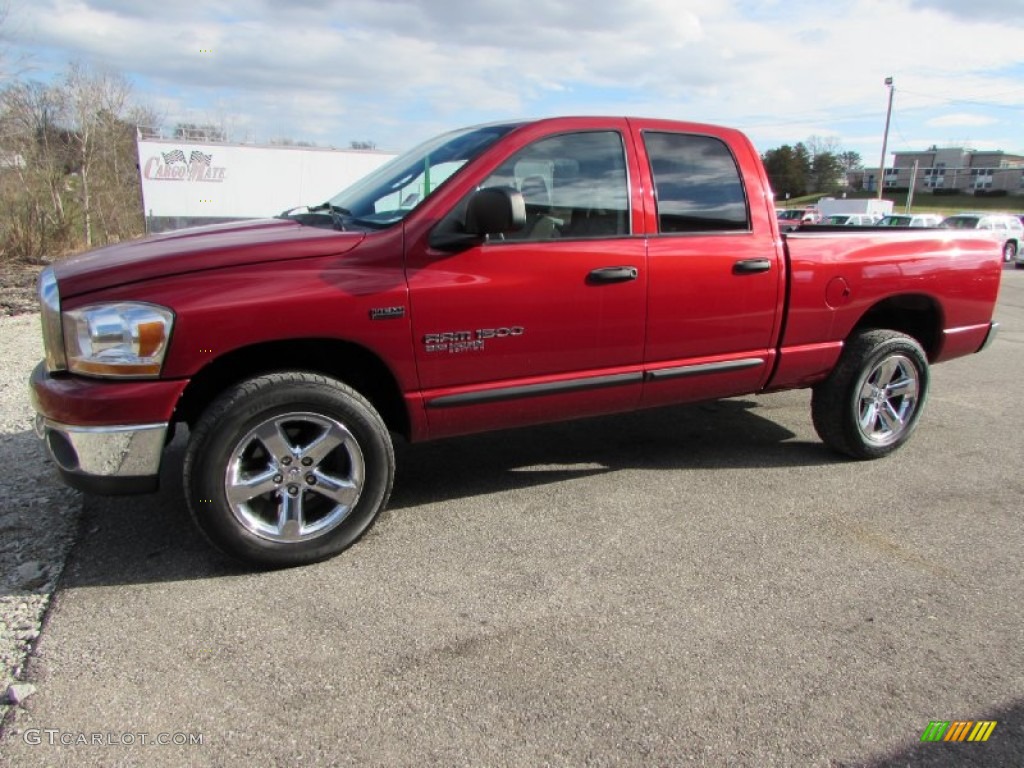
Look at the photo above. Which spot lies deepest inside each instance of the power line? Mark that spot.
(974, 102)
(814, 115)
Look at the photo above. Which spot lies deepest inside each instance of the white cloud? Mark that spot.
(1001, 11)
(393, 70)
(960, 119)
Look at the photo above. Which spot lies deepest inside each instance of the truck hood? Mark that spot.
(198, 249)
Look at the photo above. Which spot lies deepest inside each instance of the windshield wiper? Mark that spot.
(329, 206)
(338, 214)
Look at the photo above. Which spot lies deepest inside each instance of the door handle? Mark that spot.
(751, 266)
(612, 275)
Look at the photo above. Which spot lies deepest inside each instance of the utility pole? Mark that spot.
(885, 139)
(910, 190)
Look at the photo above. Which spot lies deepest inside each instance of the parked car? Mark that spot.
(645, 270)
(850, 219)
(1007, 228)
(911, 220)
(1019, 262)
(791, 218)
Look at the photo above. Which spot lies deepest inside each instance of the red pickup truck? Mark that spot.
(497, 276)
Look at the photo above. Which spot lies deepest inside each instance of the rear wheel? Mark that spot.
(1009, 250)
(870, 404)
(287, 469)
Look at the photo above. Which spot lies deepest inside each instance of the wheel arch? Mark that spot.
(917, 315)
(871, 402)
(345, 361)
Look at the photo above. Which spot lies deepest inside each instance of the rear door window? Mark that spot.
(697, 184)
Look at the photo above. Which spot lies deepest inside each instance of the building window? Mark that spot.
(981, 178)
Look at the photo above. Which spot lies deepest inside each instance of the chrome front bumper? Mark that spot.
(106, 460)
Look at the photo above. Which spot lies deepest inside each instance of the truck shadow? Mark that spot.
(142, 539)
(1004, 746)
(725, 434)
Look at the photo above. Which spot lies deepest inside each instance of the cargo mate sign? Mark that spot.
(173, 166)
(186, 183)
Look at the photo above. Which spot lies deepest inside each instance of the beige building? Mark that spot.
(945, 169)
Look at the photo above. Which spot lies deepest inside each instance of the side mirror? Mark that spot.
(495, 210)
(489, 211)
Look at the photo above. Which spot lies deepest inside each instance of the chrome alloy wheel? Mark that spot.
(888, 398)
(294, 477)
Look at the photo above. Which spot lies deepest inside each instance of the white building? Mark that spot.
(950, 170)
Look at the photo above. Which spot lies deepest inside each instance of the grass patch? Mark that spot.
(924, 202)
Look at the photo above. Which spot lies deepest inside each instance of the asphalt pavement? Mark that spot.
(701, 585)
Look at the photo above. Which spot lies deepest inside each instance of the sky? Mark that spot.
(395, 72)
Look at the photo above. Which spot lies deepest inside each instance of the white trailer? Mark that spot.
(829, 206)
(186, 183)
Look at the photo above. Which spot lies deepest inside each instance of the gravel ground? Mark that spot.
(18, 288)
(38, 514)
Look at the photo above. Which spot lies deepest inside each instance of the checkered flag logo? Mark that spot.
(199, 157)
(174, 156)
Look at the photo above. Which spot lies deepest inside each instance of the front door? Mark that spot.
(544, 323)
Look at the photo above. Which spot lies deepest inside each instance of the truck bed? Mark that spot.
(840, 278)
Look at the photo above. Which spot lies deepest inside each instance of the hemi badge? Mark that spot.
(387, 313)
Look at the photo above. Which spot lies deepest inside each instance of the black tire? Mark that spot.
(870, 404)
(1009, 250)
(331, 478)
(1018, 265)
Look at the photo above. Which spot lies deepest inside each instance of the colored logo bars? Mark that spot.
(958, 730)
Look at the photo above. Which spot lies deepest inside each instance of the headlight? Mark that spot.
(123, 339)
(49, 304)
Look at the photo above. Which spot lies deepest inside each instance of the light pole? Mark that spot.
(885, 139)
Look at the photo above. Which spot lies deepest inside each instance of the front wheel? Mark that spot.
(870, 404)
(287, 469)
(1009, 250)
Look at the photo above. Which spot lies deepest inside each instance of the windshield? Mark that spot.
(388, 194)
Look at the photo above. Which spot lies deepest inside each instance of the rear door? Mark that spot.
(716, 278)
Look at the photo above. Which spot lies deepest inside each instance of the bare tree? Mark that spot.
(96, 104)
(284, 141)
(35, 162)
(69, 164)
(822, 145)
(13, 64)
(199, 132)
